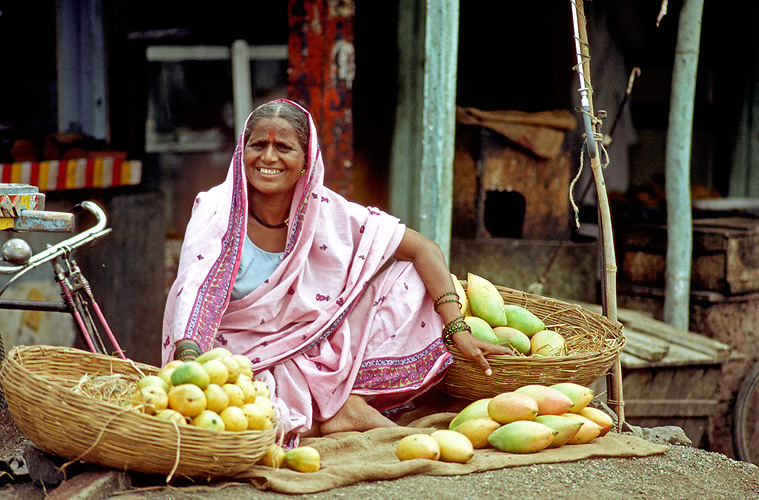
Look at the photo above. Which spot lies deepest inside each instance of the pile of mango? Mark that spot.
(512, 325)
(527, 420)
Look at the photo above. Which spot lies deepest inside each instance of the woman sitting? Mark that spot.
(334, 303)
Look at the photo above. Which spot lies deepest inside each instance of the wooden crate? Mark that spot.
(725, 255)
(669, 376)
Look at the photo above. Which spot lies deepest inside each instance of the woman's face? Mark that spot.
(273, 157)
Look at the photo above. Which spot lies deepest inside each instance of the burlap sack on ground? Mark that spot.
(350, 457)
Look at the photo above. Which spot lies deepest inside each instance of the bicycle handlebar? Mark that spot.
(65, 246)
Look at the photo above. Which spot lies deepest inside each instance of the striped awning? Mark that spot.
(58, 175)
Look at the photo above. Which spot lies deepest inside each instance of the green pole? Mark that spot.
(677, 166)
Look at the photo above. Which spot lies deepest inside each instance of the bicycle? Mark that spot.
(77, 297)
(745, 423)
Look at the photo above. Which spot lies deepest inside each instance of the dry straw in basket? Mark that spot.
(593, 343)
(39, 383)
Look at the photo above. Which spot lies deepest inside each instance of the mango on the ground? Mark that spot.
(565, 428)
(600, 417)
(485, 301)
(274, 457)
(511, 406)
(587, 433)
(481, 329)
(477, 430)
(511, 337)
(303, 459)
(523, 319)
(550, 401)
(417, 446)
(580, 395)
(454, 447)
(476, 409)
(522, 436)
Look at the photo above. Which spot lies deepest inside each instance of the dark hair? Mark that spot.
(283, 109)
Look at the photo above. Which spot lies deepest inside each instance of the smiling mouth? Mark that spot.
(269, 171)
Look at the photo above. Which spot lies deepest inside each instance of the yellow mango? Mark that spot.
(417, 446)
(522, 436)
(600, 417)
(580, 395)
(550, 401)
(548, 343)
(477, 430)
(587, 433)
(303, 459)
(508, 407)
(485, 301)
(565, 428)
(463, 300)
(454, 447)
(477, 409)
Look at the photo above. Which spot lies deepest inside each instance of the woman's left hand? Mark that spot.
(476, 349)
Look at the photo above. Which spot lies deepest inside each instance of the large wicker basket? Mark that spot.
(38, 382)
(593, 343)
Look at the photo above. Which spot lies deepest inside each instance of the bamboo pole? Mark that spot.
(614, 395)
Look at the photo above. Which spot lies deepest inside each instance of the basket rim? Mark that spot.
(13, 357)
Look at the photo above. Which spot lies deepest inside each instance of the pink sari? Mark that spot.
(337, 316)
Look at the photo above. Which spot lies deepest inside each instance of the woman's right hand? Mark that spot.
(476, 349)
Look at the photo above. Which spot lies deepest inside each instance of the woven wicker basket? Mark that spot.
(593, 343)
(38, 383)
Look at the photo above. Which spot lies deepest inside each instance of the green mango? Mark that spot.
(523, 319)
(485, 301)
(477, 409)
(481, 329)
(565, 428)
(511, 337)
(522, 436)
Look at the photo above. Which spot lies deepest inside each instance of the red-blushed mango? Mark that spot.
(511, 337)
(550, 401)
(587, 433)
(477, 409)
(522, 436)
(565, 428)
(523, 319)
(477, 430)
(548, 343)
(600, 417)
(485, 301)
(417, 446)
(454, 447)
(509, 407)
(463, 300)
(481, 329)
(580, 395)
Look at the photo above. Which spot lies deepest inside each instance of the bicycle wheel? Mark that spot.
(745, 421)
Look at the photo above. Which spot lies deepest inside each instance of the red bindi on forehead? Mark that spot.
(272, 134)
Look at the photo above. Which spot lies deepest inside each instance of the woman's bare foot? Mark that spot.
(355, 415)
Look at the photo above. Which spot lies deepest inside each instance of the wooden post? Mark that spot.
(421, 178)
(614, 394)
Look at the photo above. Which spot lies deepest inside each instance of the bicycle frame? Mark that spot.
(75, 289)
